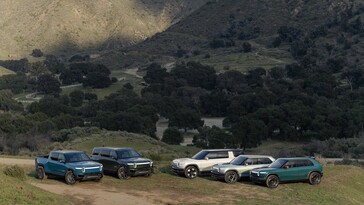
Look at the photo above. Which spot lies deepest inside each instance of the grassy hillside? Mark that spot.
(15, 191)
(340, 185)
(66, 26)
(4, 71)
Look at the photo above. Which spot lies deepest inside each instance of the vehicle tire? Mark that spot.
(191, 172)
(272, 181)
(122, 173)
(41, 173)
(70, 178)
(231, 177)
(314, 178)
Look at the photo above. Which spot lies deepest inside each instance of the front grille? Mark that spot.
(143, 167)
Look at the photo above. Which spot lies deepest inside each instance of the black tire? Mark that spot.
(191, 172)
(314, 178)
(231, 177)
(123, 173)
(70, 178)
(272, 181)
(41, 173)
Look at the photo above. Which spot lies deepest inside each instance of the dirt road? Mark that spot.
(88, 192)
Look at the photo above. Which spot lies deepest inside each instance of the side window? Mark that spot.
(264, 161)
(61, 157)
(306, 163)
(218, 155)
(96, 151)
(290, 163)
(105, 153)
(251, 161)
(113, 154)
(54, 156)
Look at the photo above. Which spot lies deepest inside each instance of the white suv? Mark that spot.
(240, 167)
(203, 161)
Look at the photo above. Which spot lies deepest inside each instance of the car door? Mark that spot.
(113, 163)
(290, 171)
(305, 167)
(105, 160)
(249, 164)
(50, 167)
(55, 165)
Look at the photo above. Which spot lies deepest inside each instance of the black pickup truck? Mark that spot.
(123, 161)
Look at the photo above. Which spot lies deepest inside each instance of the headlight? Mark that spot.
(101, 168)
(151, 164)
(263, 173)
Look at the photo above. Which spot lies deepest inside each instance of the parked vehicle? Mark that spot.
(203, 161)
(240, 167)
(72, 165)
(122, 161)
(289, 169)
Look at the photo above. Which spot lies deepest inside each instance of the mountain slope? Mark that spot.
(67, 25)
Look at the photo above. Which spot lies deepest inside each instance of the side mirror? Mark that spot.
(206, 158)
(62, 161)
(285, 167)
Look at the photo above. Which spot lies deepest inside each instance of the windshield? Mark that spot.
(278, 164)
(127, 153)
(76, 157)
(200, 155)
(238, 160)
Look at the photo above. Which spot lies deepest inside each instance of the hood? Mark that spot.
(265, 169)
(135, 160)
(84, 164)
(182, 160)
(226, 165)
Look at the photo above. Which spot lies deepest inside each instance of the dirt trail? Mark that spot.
(89, 193)
(97, 194)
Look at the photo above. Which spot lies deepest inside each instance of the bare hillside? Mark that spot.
(60, 26)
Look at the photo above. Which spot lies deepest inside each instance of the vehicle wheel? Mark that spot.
(123, 173)
(314, 178)
(272, 181)
(70, 178)
(231, 177)
(191, 172)
(41, 173)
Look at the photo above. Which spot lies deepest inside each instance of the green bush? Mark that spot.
(15, 171)
(172, 136)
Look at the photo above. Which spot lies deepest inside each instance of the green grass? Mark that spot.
(4, 71)
(15, 191)
(122, 77)
(260, 56)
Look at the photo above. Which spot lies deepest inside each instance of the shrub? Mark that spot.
(37, 53)
(15, 171)
(172, 136)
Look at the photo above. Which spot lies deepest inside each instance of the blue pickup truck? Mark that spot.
(72, 165)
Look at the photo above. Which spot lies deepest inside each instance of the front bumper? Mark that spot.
(217, 175)
(89, 176)
(178, 171)
(141, 169)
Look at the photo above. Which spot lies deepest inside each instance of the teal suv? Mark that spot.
(72, 165)
(289, 169)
